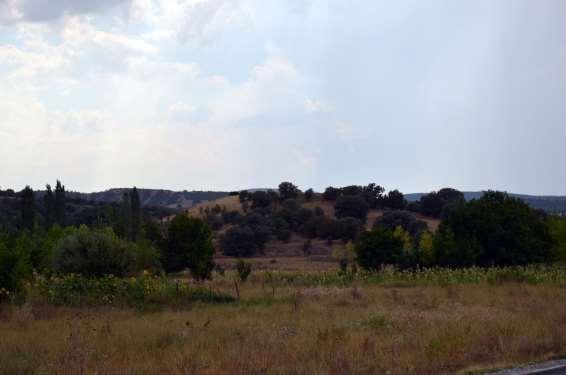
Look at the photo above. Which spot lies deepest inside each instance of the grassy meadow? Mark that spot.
(289, 322)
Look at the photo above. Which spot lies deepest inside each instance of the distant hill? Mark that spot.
(548, 203)
(154, 197)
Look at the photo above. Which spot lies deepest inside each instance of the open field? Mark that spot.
(299, 326)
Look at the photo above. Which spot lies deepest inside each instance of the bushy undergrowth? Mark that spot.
(534, 274)
(77, 290)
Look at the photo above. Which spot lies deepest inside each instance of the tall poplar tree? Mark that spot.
(49, 204)
(127, 216)
(60, 203)
(28, 208)
(136, 220)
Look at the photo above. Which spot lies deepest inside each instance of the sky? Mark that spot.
(232, 94)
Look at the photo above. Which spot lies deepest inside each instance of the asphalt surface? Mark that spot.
(546, 368)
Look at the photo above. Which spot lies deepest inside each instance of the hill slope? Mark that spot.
(154, 197)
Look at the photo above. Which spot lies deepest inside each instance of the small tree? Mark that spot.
(136, 212)
(351, 206)
(395, 200)
(244, 270)
(331, 194)
(261, 199)
(189, 245)
(240, 241)
(49, 205)
(28, 208)
(377, 248)
(288, 191)
(60, 202)
(309, 195)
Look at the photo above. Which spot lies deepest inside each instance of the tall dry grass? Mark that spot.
(363, 329)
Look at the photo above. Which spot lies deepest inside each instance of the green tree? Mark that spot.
(395, 200)
(136, 212)
(378, 247)
(309, 195)
(14, 269)
(49, 205)
(95, 253)
(495, 230)
(426, 248)
(28, 208)
(189, 245)
(331, 194)
(351, 206)
(60, 202)
(557, 227)
(288, 191)
(126, 219)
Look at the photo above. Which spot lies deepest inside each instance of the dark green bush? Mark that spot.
(377, 248)
(95, 253)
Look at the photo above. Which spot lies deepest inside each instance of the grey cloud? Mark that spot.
(12, 11)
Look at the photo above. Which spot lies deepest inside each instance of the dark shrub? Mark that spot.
(261, 199)
(283, 235)
(395, 200)
(495, 230)
(349, 228)
(244, 270)
(351, 206)
(15, 267)
(95, 253)
(439, 203)
(309, 195)
(331, 193)
(377, 248)
(240, 242)
(232, 217)
(189, 245)
(288, 191)
(404, 219)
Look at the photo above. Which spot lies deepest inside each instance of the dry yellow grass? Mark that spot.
(232, 203)
(332, 330)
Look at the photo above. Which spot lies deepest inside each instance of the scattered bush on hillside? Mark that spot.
(405, 219)
(232, 217)
(395, 200)
(351, 206)
(331, 194)
(240, 241)
(288, 191)
(348, 229)
(439, 204)
(261, 199)
(309, 195)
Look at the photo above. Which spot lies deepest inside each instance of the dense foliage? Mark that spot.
(494, 230)
(189, 245)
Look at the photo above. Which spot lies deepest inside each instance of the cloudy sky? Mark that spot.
(229, 94)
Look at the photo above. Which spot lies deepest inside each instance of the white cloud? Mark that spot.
(199, 21)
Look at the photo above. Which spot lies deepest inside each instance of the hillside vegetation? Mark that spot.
(353, 280)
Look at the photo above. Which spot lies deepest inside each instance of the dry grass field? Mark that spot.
(361, 329)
